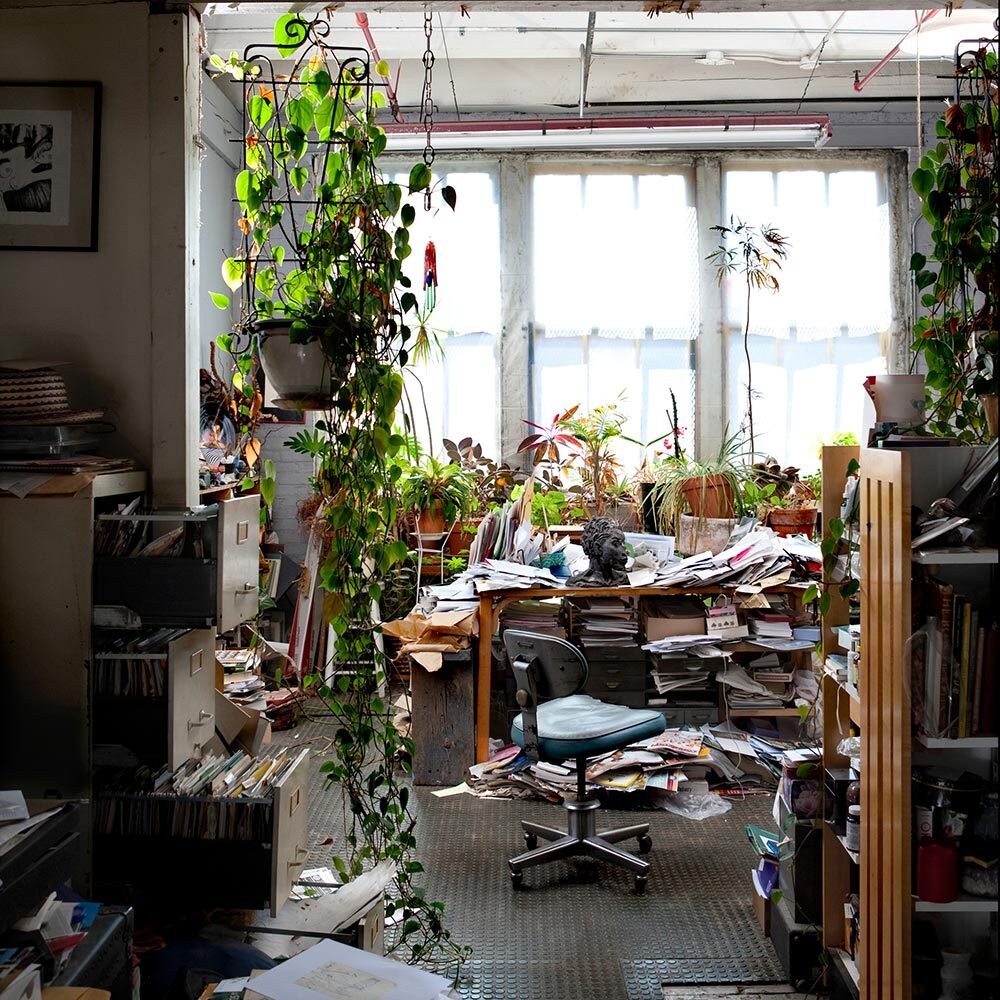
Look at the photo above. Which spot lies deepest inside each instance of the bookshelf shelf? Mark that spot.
(956, 557)
(853, 855)
(847, 965)
(968, 743)
(744, 713)
(964, 904)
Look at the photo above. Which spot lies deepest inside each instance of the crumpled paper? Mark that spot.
(426, 640)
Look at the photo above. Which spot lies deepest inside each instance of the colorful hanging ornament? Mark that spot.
(430, 278)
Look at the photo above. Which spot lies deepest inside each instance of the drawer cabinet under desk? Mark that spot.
(193, 567)
(616, 674)
(157, 698)
(202, 850)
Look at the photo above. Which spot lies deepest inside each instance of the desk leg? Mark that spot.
(484, 677)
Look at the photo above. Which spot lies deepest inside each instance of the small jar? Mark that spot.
(853, 794)
(852, 838)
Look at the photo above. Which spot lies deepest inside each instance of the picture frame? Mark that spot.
(50, 142)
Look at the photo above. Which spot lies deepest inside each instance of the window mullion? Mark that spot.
(515, 297)
(710, 349)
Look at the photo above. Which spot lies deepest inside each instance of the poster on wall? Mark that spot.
(49, 154)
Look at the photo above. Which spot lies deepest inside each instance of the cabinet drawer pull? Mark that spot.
(248, 588)
(196, 661)
(242, 531)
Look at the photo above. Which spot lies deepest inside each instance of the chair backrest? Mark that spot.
(560, 668)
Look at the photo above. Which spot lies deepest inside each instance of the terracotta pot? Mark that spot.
(703, 534)
(990, 408)
(462, 536)
(712, 496)
(298, 375)
(430, 521)
(792, 522)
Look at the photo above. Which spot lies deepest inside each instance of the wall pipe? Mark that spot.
(586, 51)
(859, 85)
(362, 22)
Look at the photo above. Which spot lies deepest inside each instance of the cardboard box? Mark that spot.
(673, 616)
(244, 727)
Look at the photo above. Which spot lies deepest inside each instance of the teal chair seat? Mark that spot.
(581, 726)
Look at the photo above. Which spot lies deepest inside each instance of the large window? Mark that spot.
(813, 342)
(614, 278)
(619, 301)
(459, 384)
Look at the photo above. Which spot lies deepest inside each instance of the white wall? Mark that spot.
(91, 309)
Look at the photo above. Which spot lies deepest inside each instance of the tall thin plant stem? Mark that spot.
(746, 352)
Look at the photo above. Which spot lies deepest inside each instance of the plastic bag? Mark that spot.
(696, 805)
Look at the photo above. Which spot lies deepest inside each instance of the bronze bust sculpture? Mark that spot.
(603, 542)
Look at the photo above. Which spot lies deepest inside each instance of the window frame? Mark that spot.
(513, 345)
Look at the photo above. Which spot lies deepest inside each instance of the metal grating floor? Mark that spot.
(560, 937)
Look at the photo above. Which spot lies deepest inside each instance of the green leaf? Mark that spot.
(289, 33)
(260, 111)
(297, 177)
(279, 255)
(243, 187)
(450, 196)
(382, 68)
(300, 113)
(408, 214)
(222, 301)
(408, 301)
(233, 272)
(323, 118)
(917, 262)
(420, 177)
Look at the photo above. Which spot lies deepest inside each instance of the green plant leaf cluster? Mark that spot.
(957, 284)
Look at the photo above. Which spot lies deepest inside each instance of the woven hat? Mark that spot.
(34, 392)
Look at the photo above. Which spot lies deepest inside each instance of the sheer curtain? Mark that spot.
(615, 296)
(814, 341)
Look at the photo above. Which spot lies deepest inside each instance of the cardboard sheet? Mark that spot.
(425, 640)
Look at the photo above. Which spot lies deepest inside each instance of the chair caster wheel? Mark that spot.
(530, 841)
(645, 844)
(516, 879)
(640, 884)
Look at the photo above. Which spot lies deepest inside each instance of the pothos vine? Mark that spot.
(335, 271)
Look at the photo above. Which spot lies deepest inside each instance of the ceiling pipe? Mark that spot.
(859, 85)
(362, 22)
(586, 52)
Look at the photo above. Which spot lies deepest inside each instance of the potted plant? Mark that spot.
(324, 234)
(438, 493)
(956, 182)
(755, 253)
(779, 498)
(697, 500)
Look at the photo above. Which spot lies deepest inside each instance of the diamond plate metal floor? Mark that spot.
(560, 937)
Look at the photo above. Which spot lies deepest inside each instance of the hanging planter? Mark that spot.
(297, 374)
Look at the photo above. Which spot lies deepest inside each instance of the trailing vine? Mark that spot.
(325, 237)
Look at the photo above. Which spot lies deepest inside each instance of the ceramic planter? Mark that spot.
(703, 534)
(430, 522)
(792, 522)
(711, 496)
(297, 374)
(462, 536)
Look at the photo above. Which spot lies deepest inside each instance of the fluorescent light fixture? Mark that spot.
(938, 37)
(656, 132)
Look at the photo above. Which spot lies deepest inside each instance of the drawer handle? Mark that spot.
(196, 661)
(301, 854)
(203, 718)
(248, 588)
(613, 685)
(242, 531)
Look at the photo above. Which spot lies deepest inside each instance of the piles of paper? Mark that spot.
(601, 622)
(543, 617)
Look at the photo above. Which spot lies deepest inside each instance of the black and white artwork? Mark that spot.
(48, 166)
(35, 168)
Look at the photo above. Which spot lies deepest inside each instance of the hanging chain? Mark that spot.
(427, 112)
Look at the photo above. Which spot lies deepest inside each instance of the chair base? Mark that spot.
(583, 838)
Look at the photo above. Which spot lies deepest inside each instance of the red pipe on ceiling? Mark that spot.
(362, 22)
(859, 85)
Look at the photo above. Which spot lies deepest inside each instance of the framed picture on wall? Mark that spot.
(50, 140)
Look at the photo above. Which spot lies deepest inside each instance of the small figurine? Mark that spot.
(603, 542)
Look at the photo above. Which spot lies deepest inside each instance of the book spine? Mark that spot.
(945, 598)
(977, 681)
(988, 708)
(955, 665)
(963, 666)
(932, 685)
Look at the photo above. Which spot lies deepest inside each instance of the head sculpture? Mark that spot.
(603, 542)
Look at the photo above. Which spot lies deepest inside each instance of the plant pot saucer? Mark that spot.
(428, 536)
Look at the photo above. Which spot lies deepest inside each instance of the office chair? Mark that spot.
(570, 724)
